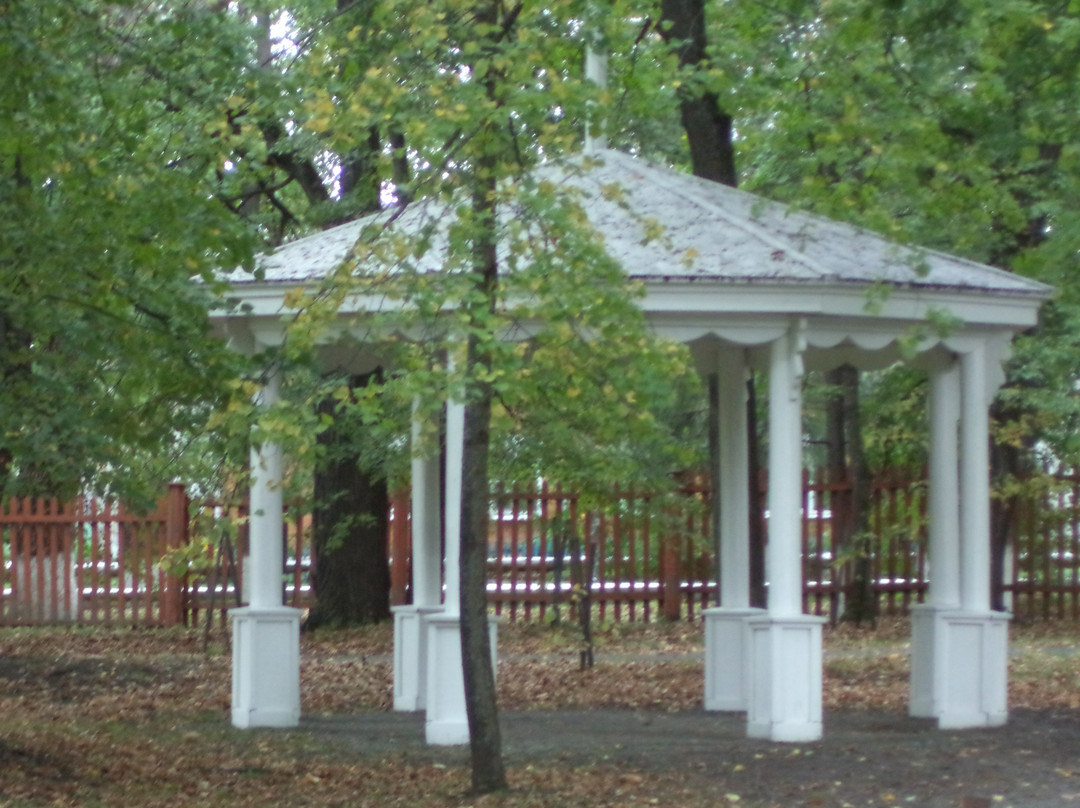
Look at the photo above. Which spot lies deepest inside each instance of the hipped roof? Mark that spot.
(709, 232)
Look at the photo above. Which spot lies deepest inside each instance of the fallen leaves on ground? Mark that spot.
(121, 717)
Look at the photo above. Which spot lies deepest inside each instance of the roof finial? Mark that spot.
(596, 72)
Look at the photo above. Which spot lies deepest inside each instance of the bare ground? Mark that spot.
(865, 758)
(141, 718)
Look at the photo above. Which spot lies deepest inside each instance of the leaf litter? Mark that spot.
(108, 716)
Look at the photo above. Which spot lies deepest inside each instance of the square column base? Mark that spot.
(265, 667)
(727, 658)
(959, 667)
(447, 722)
(785, 678)
(410, 656)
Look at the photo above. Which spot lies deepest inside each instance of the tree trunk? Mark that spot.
(758, 593)
(835, 442)
(1006, 461)
(708, 127)
(714, 472)
(351, 578)
(359, 183)
(485, 739)
(861, 598)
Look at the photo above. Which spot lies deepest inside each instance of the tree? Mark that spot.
(483, 91)
(106, 367)
(945, 125)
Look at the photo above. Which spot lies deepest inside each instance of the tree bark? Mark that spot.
(708, 127)
(485, 737)
(835, 442)
(1006, 461)
(714, 471)
(351, 577)
(758, 593)
(861, 598)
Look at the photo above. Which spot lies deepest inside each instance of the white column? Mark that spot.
(959, 647)
(734, 477)
(455, 450)
(974, 483)
(783, 558)
(944, 487)
(447, 722)
(785, 644)
(266, 634)
(410, 632)
(929, 657)
(426, 525)
(265, 523)
(727, 672)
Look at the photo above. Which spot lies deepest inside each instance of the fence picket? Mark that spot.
(95, 562)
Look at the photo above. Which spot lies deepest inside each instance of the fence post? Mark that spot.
(176, 531)
(400, 548)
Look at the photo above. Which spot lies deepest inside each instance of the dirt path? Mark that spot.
(867, 757)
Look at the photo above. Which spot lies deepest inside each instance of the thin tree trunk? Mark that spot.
(758, 594)
(485, 739)
(714, 472)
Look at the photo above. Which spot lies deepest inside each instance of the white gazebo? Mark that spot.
(746, 283)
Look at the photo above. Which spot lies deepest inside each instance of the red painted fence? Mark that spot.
(90, 562)
(640, 558)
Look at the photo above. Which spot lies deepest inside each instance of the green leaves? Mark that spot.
(582, 390)
(105, 366)
(943, 125)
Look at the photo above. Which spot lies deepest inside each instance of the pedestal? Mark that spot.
(959, 667)
(785, 678)
(727, 658)
(265, 667)
(447, 722)
(410, 656)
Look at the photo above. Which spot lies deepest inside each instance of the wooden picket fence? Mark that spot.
(90, 562)
(639, 558)
(649, 559)
(1043, 558)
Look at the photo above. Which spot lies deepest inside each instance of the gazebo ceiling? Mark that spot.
(728, 268)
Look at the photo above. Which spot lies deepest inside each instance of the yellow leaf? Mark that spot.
(295, 299)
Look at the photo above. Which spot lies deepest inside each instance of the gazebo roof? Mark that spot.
(709, 231)
(726, 264)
